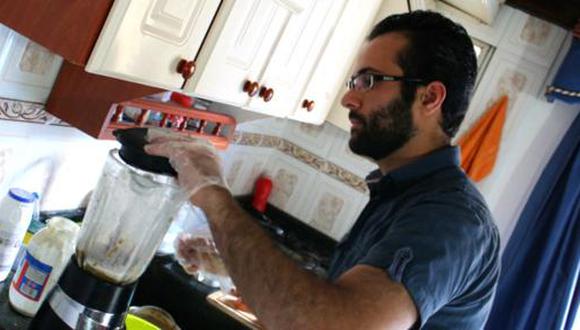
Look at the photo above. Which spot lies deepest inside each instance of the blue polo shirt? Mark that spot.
(430, 229)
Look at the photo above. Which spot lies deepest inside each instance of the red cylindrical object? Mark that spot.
(262, 191)
(184, 100)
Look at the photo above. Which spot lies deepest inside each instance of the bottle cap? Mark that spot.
(22, 195)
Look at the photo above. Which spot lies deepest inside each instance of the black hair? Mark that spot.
(438, 50)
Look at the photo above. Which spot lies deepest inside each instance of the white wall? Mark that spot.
(61, 163)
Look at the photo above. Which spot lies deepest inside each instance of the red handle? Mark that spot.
(261, 193)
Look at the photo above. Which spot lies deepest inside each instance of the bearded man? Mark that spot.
(424, 251)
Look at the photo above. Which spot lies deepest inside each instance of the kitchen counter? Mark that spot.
(166, 285)
(10, 319)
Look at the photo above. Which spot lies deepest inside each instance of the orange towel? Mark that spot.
(479, 146)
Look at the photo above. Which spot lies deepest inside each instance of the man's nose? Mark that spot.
(351, 100)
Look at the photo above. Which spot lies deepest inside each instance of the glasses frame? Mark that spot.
(379, 77)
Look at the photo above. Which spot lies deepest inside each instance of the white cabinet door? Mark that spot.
(143, 41)
(243, 38)
(299, 49)
(334, 63)
(27, 70)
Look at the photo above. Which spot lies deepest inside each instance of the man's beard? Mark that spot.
(385, 130)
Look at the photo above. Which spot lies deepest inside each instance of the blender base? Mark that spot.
(82, 301)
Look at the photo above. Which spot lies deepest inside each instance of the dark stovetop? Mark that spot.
(311, 248)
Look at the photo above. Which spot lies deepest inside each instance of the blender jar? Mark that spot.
(128, 214)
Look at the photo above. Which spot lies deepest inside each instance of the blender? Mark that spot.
(132, 207)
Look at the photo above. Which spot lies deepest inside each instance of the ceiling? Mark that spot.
(561, 12)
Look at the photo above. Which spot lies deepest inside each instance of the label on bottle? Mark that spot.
(9, 244)
(31, 277)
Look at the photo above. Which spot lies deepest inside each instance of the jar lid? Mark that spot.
(132, 142)
(22, 195)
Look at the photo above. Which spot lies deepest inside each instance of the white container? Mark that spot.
(15, 213)
(47, 254)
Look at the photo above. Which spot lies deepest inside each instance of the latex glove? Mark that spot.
(198, 254)
(195, 160)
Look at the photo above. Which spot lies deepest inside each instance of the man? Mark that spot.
(424, 251)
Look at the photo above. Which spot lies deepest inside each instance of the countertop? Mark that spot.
(10, 319)
(166, 285)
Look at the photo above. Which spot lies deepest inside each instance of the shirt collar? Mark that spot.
(406, 175)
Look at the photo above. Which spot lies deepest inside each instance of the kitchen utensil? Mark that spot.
(133, 205)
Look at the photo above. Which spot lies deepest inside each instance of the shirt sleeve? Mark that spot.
(430, 249)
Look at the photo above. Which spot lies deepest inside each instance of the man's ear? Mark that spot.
(432, 97)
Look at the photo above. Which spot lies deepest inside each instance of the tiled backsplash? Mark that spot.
(316, 178)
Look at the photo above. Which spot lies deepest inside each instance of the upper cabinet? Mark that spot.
(330, 73)
(67, 28)
(152, 42)
(278, 57)
(245, 36)
(284, 58)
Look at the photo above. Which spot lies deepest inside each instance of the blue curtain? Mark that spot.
(538, 286)
(566, 85)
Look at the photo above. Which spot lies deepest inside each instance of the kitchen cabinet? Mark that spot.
(284, 58)
(332, 69)
(27, 70)
(299, 49)
(147, 41)
(67, 28)
(242, 39)
(264, 62)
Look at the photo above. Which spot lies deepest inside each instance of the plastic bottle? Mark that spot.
(45, 258)
(35, 226)
(15, 214)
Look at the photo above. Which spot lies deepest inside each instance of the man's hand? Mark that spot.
(198, 253)
(195, 160)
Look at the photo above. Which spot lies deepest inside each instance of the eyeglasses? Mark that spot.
(365, 81)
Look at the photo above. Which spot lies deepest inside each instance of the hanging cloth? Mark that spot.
(480, 145)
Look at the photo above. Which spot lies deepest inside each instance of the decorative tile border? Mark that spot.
(308, 158)
(14, 110)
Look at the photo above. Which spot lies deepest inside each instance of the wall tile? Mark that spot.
(341, 154)
(243, 165)
(332, 207)
(27, 70)
(292, 182)
(532, 38)
(315, 139)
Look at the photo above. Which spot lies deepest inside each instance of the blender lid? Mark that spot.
(132, 142)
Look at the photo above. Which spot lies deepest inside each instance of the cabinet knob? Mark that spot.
(308, 105)
(266, 93)
(186, 68)
(251, 87)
